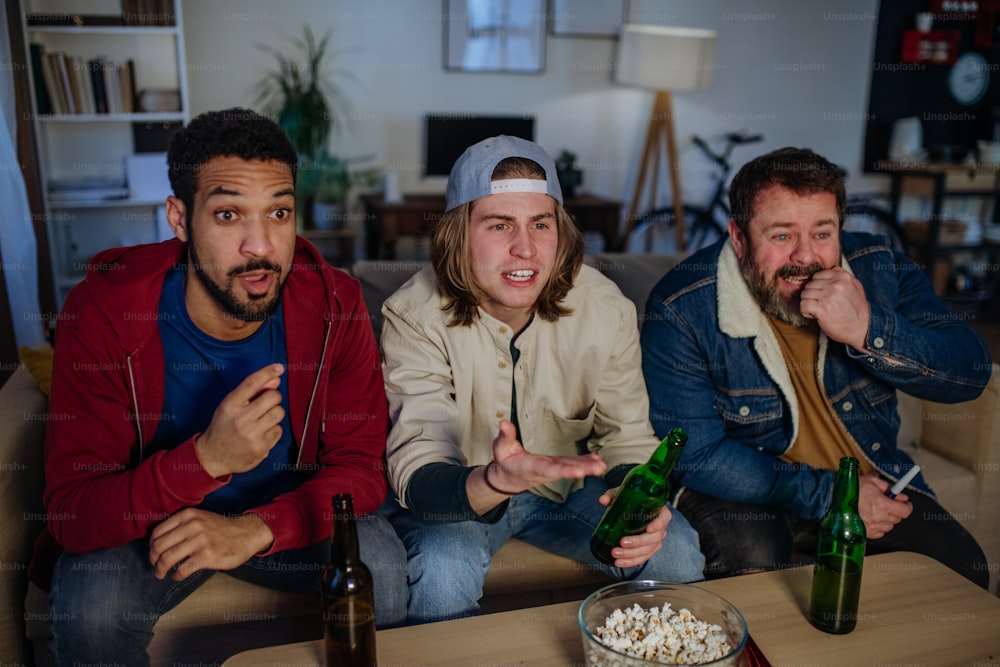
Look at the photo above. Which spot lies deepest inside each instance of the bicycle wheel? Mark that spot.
(861, 217)
(654, 232)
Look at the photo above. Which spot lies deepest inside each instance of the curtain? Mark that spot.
(17, 238)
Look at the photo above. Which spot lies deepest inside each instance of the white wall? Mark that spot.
(791, 70)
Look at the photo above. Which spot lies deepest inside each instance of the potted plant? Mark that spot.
(326, 181)
(302, 97)
(569, 174)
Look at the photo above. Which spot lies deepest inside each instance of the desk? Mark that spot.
(417, 215)
(913, 611)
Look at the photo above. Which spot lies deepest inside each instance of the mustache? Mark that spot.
(254, 265)
(794, 270)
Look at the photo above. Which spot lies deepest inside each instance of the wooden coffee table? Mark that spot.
(913, 611)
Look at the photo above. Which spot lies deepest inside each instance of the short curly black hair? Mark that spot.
(235, 132)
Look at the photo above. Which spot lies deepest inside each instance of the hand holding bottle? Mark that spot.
(638, 505)
(635, 550)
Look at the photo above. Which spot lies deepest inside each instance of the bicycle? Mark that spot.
(702, 224)
(871, 213)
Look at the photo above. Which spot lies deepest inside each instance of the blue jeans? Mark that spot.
(106, 602)
(448, 562)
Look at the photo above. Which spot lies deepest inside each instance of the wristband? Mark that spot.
(486, 478)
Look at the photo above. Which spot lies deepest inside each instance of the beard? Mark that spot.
(770, 300)
(257, 307)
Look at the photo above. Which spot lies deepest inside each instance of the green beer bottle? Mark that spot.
(840, 553)
(348, 603)
(643, 493)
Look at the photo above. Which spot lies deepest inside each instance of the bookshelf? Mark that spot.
(108, 81)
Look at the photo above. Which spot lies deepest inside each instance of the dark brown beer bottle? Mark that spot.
(348, 602)
(840, 554)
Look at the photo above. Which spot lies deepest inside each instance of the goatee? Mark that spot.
(257, 307)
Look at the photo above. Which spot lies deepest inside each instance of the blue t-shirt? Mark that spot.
(200, 372)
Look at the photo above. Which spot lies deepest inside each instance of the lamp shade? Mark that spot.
(665, 58)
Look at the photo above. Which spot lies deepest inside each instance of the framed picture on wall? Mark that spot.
(495, 36)
(587, 18)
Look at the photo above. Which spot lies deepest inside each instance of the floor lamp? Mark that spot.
(663, 59)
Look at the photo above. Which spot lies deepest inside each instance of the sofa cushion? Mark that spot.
(22, 424)
(38, 361)
(379, 280)
(636, 274)
(520, 567)
(911, 421)
(224, 616)
(954, 485)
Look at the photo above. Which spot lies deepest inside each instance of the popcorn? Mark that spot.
(662, 635)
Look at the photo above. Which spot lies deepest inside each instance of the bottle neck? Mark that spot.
(846, 488)
(668, 452)
(344, 546)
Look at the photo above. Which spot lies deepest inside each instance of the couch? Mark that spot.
(958, 446)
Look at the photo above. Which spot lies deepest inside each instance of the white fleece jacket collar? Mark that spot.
(741, 317)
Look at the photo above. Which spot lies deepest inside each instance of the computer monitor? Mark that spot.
(447, 135)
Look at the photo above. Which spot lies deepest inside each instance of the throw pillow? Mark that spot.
(38, 361)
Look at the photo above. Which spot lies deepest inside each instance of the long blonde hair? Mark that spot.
(452, 258)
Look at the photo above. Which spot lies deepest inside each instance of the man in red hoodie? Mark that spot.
(213, 393)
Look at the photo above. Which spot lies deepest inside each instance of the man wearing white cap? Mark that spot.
(515, 391)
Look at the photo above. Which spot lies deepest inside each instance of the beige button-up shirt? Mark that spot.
(579, 382)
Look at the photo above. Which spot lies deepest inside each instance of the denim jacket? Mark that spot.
(714, 368)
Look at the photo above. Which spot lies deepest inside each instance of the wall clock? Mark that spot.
(969, 78)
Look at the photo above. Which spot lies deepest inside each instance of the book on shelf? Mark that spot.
(43, 103)
(81, 72)
(53, 84)
(87, 189)
(62, 69)
(112, 86)
(75, 85)
(126, 77)
(97, 85)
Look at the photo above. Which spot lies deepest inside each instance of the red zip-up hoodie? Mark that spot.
(103, 490)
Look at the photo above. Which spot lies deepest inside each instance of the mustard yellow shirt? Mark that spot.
(822, 440)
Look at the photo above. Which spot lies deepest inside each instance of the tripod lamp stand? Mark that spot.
(663, 59)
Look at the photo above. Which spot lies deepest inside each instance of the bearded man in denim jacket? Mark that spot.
(780, 349)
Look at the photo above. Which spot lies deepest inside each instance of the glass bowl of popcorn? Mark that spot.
(647, 623)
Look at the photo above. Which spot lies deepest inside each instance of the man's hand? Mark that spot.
(245, 425)
(879, 513)
(516, 470)
(837, 301)
(637, 549)
(194, 539)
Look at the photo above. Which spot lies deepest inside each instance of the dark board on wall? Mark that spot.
(447, 135)
(907, 83)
